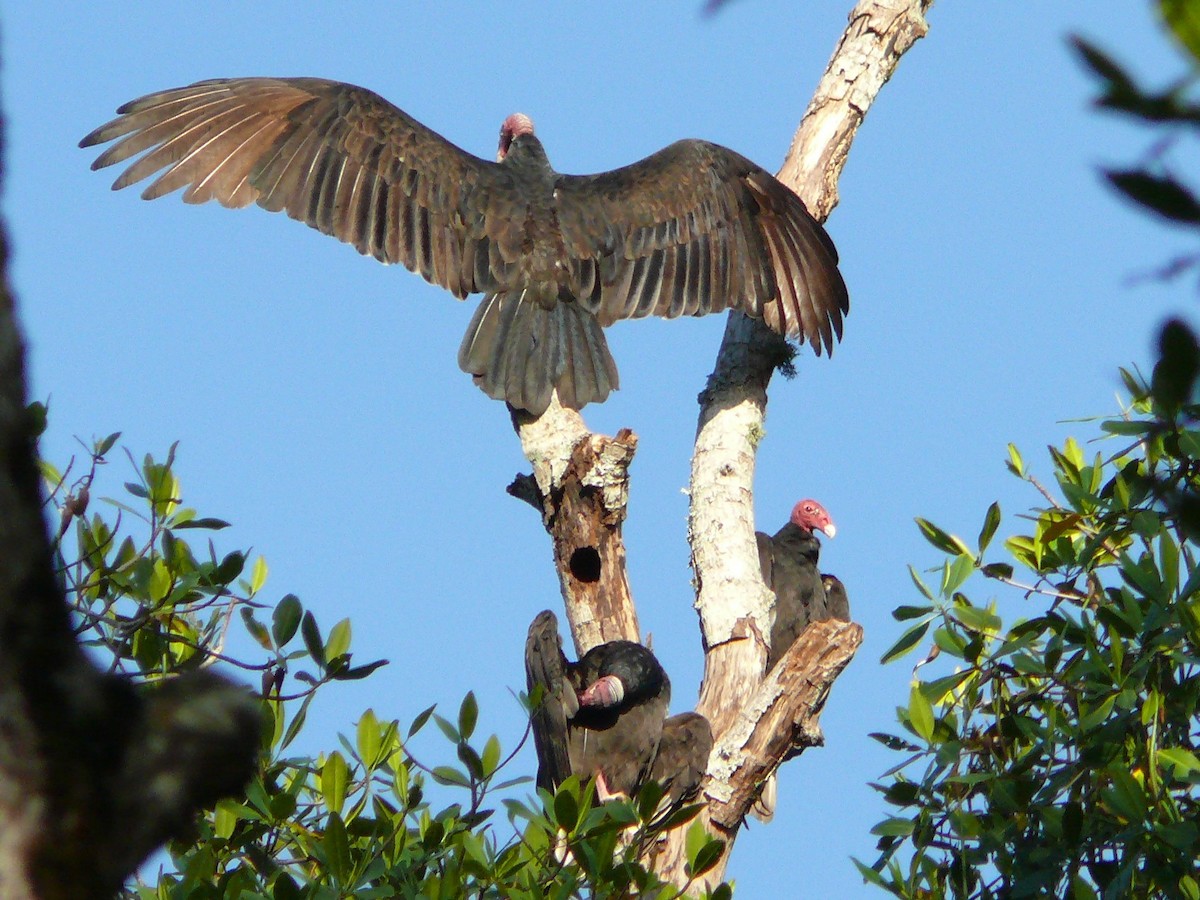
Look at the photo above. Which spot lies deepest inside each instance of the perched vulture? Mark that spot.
(602, 716)
(789, 568)
(692, 229)
(682, 758)
(837, 604)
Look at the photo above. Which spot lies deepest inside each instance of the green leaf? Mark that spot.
(258, 576)
(160, 582)
(225, 817)
(257, 629)
(469, 757)
(991, 521)
(869, 875)
(906, 642)
(1015, 464)
(337, 848)
(695, 839)
(943, 540)
(976, 619)
(450, 776)
(997, 570)
(209, 523)
(468, 714)
(648, 799)
(956, 572)
(1126, 797)
(355, 673)
(339, 640)
(893, 827)
(368, 739)
(1182, 761)
(335, 776)
(230, 568)
(706, 857)
(312, 639)
(286, 619)
(419, 722)
(921, 586)
(893, 743)
(1127, 427)
(102, 447)
(920, 714)
(566, 809)
(297, 722)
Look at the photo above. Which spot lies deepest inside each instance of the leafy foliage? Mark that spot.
(359, 820)
(1060, 755)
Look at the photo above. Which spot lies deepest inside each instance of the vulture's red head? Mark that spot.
(514, 126)
(811, 516)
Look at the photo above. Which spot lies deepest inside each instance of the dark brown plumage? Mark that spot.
(837, 602)
(602, 716)
(693, 229)
(789, 568)
(682, 758)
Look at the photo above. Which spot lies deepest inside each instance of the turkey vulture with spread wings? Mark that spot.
(602, 716)
(788, 560)
(692, 229)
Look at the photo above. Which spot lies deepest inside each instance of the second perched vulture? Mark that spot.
(602, 716)
(789, 568)
(692, 229)
(837, 603)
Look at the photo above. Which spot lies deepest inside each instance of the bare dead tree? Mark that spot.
(94, 774)
(580, 483)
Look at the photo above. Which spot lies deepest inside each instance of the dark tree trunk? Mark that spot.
(94, 773)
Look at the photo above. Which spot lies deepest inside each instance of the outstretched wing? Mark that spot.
(337, 157)
(697, 228)
(553, 698)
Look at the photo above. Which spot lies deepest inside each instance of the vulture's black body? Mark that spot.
(789, 568)
(788, 561)
(616, 738)
(693, 229)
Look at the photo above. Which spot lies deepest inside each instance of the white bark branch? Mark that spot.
(582, 481)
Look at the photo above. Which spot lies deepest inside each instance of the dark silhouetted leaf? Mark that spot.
(468, 715)
(906, 642)
(1174, 378)
(208, 522)
(286, 619)
(1159, 193)
(312, 639)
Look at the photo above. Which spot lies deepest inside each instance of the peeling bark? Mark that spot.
(583, 491)
(580, 482)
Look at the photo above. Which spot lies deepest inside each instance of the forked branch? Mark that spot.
(757, 723)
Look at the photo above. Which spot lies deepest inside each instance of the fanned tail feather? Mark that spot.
(520, 351)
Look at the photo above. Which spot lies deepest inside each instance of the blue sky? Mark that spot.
(319, 407)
